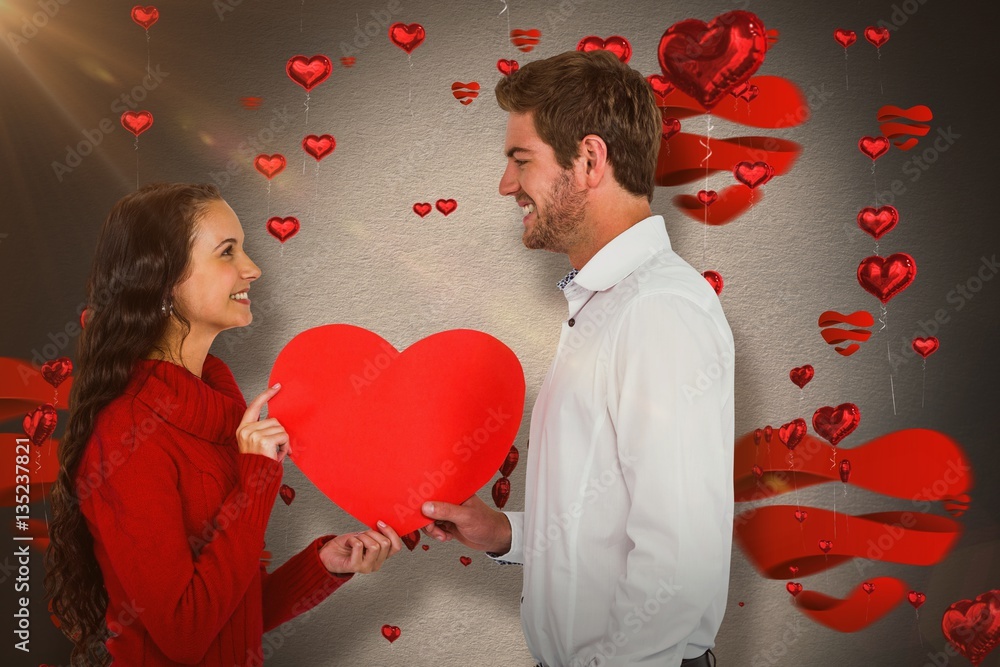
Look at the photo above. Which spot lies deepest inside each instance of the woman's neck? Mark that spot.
(191, 355)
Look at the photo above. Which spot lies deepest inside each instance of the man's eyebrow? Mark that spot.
(517, 149)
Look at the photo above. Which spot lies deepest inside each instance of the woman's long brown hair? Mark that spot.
(142, 253)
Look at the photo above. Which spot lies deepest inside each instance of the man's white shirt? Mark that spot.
(627, 529)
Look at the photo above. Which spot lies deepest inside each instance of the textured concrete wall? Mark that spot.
(363, 257)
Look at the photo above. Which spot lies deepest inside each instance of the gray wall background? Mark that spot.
(363, 257)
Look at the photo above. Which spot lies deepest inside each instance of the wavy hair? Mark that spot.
(143, 251)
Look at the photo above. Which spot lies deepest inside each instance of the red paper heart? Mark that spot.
(422, 208)
(407, 37)
(792, 433)
(509, 463)
(825, 545)
(714, 279)
(56, 371)
(973, 626)
(868, 587)
(269, 165)
(380, 431)
(411, 539)
(465, 560)
(706, 61)
(877, 35)
(661, 87)
(873, 147)
(40, 423)
(501, 492)
(671, 126)
(845, 37)
(283, 228)
(835, 424)
(145, 16)
(886, 277)
(878, 222)
(707, 197)
(391, 632)
(801, 375)
(137, 122)
(287, 494)
(916, 598)
(446, 206)
(793, 587)
(319, 146)
(925, 347)
(525, 40)
(348, 61)
(465, 93)
(309, 72)
(507, 67)
(801, 515)
(752, 174)
(616, 44)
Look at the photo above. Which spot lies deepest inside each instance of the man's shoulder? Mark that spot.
(668, 276)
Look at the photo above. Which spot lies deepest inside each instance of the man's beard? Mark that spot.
(563, 217)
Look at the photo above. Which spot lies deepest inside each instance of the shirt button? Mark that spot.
(571, 321)
(522, 599)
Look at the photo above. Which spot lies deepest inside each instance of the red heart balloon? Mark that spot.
(801, 375)
(509, 463)
(714, 279)
(411, 539)
(616, 44)
(465, 560)
(707, 197)
(446, 206)
(671, 126)
(845, 471)
(916, 598)
(877, 35)
(835, 424)
(380, 431)
(309, 72)
(269, 165)
(758, 472)
(752, 174)
(801, 515)
(287, 494)
(391, 632)
(137, 122)
(793, 587)
(878, 222)
(283, 228)
(750, 93)
(925, 347)
(973, 626)
(145, 16)
(768, 431)
(507, 67)
(501, 492)
(886, 277)
(873, 147)
(319, 147)
(40, 423)
(56, 371)
(407, 37)
(791, 434)
(845, 37)
(825, 546)
(422, 208)
(661, 87)
(868, 587)
(707, 61)
(793, 569)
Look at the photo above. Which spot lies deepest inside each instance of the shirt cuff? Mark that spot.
(515, 556)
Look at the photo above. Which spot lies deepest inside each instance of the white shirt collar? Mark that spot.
(623, 254)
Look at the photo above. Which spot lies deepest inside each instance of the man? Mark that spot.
(627, 529)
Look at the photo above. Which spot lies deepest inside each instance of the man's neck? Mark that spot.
(604, 224)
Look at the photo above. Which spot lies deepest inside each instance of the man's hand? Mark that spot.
(472, 523)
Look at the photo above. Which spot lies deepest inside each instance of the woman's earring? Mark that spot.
(166, 307)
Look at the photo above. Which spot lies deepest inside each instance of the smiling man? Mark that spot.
(627, 529)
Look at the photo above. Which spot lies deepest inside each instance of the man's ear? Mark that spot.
(594, 156)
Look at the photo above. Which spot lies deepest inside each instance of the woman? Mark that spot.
(167, 478)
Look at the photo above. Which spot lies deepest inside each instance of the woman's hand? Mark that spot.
(266, 437)
(362, 553)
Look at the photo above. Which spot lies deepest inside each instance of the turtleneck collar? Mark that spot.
(209, 407)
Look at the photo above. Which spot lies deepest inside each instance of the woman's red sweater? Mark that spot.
(178, 516)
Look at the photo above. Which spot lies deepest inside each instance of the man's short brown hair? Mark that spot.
(578, 93)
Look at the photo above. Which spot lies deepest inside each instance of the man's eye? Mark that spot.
(520, 163)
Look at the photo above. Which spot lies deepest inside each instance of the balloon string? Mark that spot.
(833, 464)
(923, 383)
(880, 88)
(409, 85)
(892, 386)
(268, 198)
(847, 82)
(137, 162)
(147, 54)
(708, 153)
(876, 248)
(302, 14)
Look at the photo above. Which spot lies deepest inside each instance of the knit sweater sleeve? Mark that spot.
(137, 513)
(298, 585)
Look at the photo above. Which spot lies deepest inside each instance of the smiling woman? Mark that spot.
(166, 476)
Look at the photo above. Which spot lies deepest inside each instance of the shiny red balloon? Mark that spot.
(269, 165)
(446, 206)
(507, 67)
(319, 146)
(411, 539)
(885, 277)
(501, 492)
(40, 423)
(661, 87)
(878, 222)
(714, 279)
(916, 598)
(793, 587)
(877, 35)
(845, 37)
(145, 16)
(283, 228)
(706, 61)
(845, 471)
(791, 434)
(287, 494)
(391, 632)
(868, 587)
(137, 122)
(671, 126)
(707, 197)
(407, 37)
(825, 545)
(422, 208)
(801, 375)
(752, 174)
(973, 626)
(801, 515)
(309, 72)
(509, 463)
(873, 147)
(835, 424)
(925, 347)
(56, 371)
(616, 44)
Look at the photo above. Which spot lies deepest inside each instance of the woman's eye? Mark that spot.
(228, 250)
